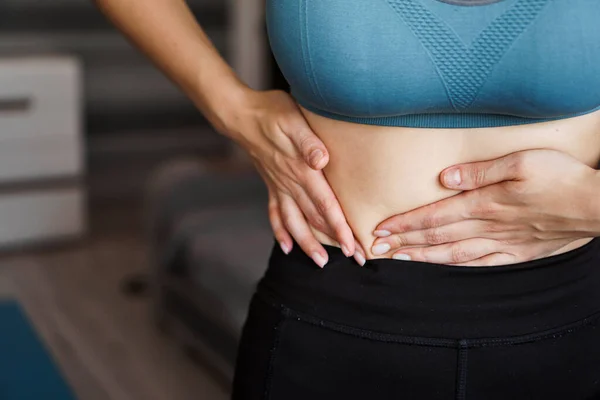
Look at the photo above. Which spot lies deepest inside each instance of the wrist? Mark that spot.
(232, 112)
(238, 117)
(223, 101)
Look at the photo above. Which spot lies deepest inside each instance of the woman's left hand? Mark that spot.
(520, 207)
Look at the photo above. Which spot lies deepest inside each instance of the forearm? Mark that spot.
(167, 32)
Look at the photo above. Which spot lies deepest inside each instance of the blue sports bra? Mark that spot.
(439, 63)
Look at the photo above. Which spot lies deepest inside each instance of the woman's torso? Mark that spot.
(377, 171)
(400, 89)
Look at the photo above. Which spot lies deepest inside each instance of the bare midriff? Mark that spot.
(379, 171)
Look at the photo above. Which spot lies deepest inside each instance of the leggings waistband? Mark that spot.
(436, 300)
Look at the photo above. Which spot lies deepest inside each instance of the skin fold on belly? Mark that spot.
(379, 171)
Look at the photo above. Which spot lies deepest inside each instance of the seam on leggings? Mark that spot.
(273, 356)
(436, 342)
(367, 334)
(461, 370)
(358, 332)
(535, 337)
(441, 342)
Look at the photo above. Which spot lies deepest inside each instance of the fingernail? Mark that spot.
(346, 250)
(360, 259)
(381, 248)
(315, 157)
(284, 248)
(382, 233)
(452, 178)
(403, 257)
(319, 259)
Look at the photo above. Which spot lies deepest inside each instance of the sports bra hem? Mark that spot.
(440, 120)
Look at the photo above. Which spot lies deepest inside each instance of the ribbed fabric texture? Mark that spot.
(441, 120)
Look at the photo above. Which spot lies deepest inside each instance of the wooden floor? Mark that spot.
(103, 339)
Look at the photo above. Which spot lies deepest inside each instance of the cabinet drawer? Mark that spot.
(39, 96)
(37, 158)
(41, 215)
(40, 118)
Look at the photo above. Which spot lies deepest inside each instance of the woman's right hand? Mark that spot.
(267, 124)
(290, 158)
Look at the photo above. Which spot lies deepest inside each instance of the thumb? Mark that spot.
(478, 174)
(313, 150)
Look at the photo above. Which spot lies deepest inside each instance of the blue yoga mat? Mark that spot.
(27, 371)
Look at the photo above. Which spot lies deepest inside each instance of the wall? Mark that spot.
(122, 89)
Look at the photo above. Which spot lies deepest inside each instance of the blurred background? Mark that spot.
(118, 207)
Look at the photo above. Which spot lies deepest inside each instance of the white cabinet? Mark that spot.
(42, 215)
(40, 118)
(42, 196)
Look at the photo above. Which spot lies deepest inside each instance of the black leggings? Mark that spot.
(410, 330)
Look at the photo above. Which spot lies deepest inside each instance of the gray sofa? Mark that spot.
(210, 240)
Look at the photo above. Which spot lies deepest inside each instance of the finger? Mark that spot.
(327, 205)
(313, 150)
(433, 236)
(317, 221)
(475, 175)
(359, 254)
(309, 209)
(527, 253)
(281, 234)
(434, 215)
(300, 231)
(491, 260)
(452, 253)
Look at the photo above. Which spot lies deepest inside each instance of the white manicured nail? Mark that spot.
(284, 248)
(402, 257)
(382, 233)
(319, 259)
(346, 251)
(360, 259)
(453, 178)
(315, 157)
(381, 248)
